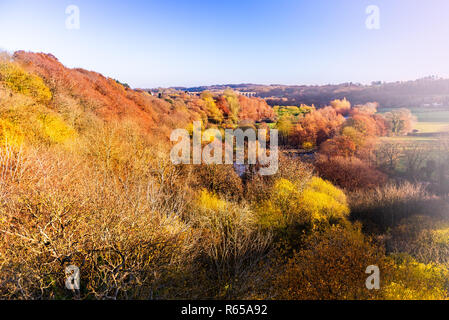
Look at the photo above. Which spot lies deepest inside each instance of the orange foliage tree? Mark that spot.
(254, 109)
(316, 127)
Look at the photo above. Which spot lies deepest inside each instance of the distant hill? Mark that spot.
(422, 92)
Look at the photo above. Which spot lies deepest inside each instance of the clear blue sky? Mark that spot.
(186, 43)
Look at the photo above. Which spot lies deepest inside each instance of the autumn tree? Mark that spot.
(367, 108)
(233, 105)
(342, 107)
(285, 127)
(213, 112)
(316, 127)
(339, 146)
(254, 109)
(401, 121)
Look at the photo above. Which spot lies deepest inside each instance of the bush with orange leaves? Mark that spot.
(350, 173)
(339, 146)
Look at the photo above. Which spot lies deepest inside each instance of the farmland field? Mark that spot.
(427, 114)
(431, 121)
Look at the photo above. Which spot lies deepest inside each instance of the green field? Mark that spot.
(427, 114)
(431, 120)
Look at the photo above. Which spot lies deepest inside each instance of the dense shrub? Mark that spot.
(254, 109)
(411, 280)
(232, 243)
(221, 179)
(350, 173)
(425, 238)
(316, 127)
(290, 206)
(322, 201)
(20, 81)
(10, 135)
(386, 206)
(24, 120)
(331, 265)
(55, 129)
(117, 233)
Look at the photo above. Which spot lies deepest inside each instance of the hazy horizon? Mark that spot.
(291, 84)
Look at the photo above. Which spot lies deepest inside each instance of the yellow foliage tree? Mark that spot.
(282, 208)
(20, 81)
(321, 201)
(213, 112)
(234, 105)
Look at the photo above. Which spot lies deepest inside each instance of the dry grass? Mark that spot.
(386, 206)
